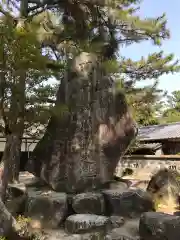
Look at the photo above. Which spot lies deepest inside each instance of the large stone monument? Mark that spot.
(81, 147)
(77, 157)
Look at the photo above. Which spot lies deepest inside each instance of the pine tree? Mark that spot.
(174, 100)
(26, 99)
(120, 25)
(172, 111)
(146, 102)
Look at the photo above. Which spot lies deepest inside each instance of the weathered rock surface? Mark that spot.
(16, 200)
(122, 180)
(84, 223)
(129, 203)
(87, 236)
(62, 235)
(6, 221)
(92, 203)
(159, 226)
(163, 178)
(164, 187)
(47, 208)
(81, 148)
(129, 231)
(119, 185)
(117, 221)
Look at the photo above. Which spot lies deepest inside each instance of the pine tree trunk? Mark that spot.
(80, 150)
(11, 157)
(16, 124)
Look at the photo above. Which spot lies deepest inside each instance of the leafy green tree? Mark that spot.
(172, 111)
(26, 98)
(146, 102)
(174, 100)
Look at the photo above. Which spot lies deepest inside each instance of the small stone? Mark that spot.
(132, 226)
(120, 234)
(86, 236)
(59, 234)
(16, 199)
(47, 208)
(129, 231)
(130, 203)
(117, 221)
(92, 203)
(159, 226)
(6, 221)
(119, 185)
(82, 223)
(123, 180)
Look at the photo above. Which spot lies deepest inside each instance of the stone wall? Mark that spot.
(158, 152)
(145, 166)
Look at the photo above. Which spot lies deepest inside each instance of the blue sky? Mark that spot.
(154, 8)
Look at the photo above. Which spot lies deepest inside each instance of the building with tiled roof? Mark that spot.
(160, 132)
(163, 138)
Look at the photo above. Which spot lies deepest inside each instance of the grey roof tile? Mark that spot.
(152, 146)
(159, 132)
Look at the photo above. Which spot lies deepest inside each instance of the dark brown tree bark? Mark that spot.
(10, 159)
(81, 148)
(14, 129)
